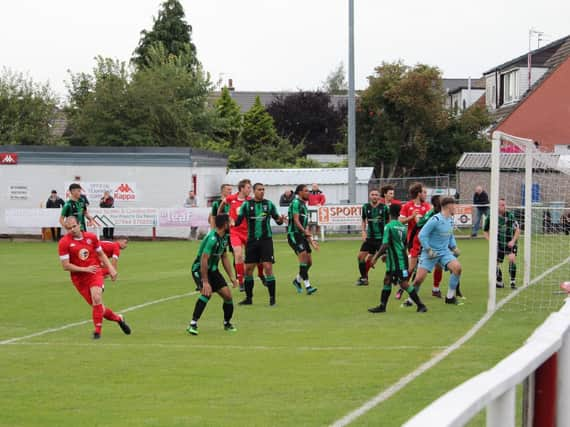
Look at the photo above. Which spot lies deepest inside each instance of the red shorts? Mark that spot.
(237, 238)
(84, 283)
(416, 249)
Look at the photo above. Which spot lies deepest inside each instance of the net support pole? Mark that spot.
(351, 108)
(494, 220)
(528, 163)
(563, 385)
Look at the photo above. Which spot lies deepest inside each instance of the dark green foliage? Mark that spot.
(27, 110)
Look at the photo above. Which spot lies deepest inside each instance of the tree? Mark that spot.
(161, 104)
(309, 118)
(258, 127)
(231, 117)
(335, 82)
(170, 30)
(27, 110)
(400, 113)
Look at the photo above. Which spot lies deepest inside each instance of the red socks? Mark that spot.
(240, 268)
(98, 317)
(437, 275)
(111, 315)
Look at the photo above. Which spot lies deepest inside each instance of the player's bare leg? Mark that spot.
(455, 268)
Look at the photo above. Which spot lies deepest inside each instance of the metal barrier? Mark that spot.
(544, 362)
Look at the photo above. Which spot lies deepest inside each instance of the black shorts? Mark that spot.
(217, 281)
(371, 246)
(257, 251)
(299, 243)
(505, 250)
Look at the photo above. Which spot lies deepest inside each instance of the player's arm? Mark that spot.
(279, 219)
(206, 288)
(223, 203)
(516, 235)
(425, 233)
(405, 219)
(229, 270)
(64, 214)
(486, 227)
(68, 266)
(90, 221)
(106, 263)
(363, 223)
(299, 226)
(212, 216)
(241, 215)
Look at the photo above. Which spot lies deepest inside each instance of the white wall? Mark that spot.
(155, 186)
(536, 74)
(334, 193)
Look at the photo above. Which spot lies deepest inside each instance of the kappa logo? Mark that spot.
(125, 192)
(8, 158)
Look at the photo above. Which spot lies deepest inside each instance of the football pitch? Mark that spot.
(308, 361)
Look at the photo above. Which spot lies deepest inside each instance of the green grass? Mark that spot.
(306, 362)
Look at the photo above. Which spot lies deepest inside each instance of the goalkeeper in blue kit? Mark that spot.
(439, 247)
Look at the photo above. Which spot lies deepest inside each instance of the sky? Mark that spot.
(271, 45)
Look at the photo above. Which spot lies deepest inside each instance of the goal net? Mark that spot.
(534, 187)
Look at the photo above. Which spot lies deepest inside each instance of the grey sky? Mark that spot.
(279, 45)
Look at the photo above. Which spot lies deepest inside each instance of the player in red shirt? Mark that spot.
(410, 214)
(238, 235)
(387, 193)
(113, 251)
(81, 254)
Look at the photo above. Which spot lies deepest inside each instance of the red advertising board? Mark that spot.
(8, 158)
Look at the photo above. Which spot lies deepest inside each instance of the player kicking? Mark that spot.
(257, 213)
(238, 234)
(209, 279)
(299, 238)
(81, 254)
(439, 247)
(374, 216)
(394, 247)
(509, 232)
(411, 212)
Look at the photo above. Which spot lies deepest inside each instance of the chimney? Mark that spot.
(231, 85)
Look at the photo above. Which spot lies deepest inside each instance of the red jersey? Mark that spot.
(81, 252)
(409, 208)
(111, 249)
(235, 205)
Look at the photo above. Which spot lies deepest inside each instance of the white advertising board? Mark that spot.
(340, 215)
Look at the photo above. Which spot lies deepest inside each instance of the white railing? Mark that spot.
(495, 389)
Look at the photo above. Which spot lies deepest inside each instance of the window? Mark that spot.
(510, 86)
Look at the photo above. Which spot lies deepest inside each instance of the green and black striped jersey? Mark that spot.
(297, 207)
(76, 209)
(376, 218)
(213, 245)
(508, 224)
(216, 205)
(258, 215)
(395, 239)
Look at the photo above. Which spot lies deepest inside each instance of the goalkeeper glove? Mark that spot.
(431, 253)
(456, 251)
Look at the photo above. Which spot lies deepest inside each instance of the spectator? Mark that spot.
(55, 202)
(316, 199)
(286, 198)
(480, 208)
(192, 202)
(107, 202)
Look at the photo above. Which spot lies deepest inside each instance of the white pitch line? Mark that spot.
(83, 322)
(404, 381)
(190, 346)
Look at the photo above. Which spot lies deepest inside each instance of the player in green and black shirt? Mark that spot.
(509, 232)
(374, 216)
(225, 191)
(299, 238)
(394, 251)
(257, 212)
(76, 206)
(206, 273)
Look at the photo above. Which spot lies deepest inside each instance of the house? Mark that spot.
(533, 102)
(462, 93)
